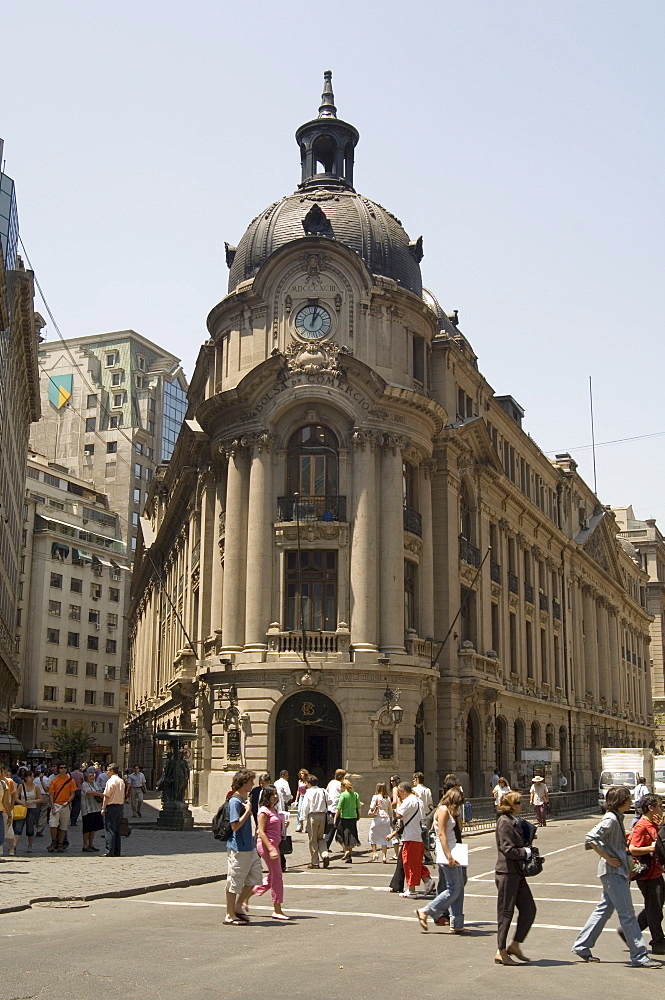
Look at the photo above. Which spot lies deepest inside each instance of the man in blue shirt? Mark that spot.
(244, 865)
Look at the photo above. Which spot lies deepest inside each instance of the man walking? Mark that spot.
(244, 865)
(608, 840)
(539, 796)
(333, 791)
(112, 803)
(61, 796)
(284, 791)
(137, 789)
(314, 814)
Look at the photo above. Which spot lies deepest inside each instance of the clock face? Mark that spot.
(313, 322)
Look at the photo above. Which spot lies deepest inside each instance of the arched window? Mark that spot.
(313, 466)
(535, 734)
(549, 736)
(519, 741)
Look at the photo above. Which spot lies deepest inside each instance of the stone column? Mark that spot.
(216, 569)
(364, 591)
(615, 678)
(427, 470)
(604, 666)
(235, 550)
(391, 559)
(259, 545)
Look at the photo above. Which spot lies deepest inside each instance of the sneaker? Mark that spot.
(409, 895)
(586, 956)
(649, 964)
(430, 886)
(326, 862)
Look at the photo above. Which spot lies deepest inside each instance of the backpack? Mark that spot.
(221, 825)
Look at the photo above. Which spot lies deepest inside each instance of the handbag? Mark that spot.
(20, 810)
(286, 845)
(125, 827)
(529, 867)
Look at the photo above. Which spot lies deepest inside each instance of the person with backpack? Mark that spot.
(244, 865)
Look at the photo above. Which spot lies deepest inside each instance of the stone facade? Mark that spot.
(346, 493)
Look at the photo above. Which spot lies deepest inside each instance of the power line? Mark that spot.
(603, 444)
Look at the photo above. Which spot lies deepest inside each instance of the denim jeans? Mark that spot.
(452, 897)
(616, 896)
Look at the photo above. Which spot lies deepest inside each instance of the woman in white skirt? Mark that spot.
(381, 812)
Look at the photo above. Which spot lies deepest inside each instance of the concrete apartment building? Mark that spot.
(646, 538)
(347, 492)
(69, 624)
(112, 406)
(19, 407)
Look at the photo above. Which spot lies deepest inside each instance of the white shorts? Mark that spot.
(60, 820)
(244, 868)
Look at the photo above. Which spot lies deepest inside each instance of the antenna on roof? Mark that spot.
(593, 439)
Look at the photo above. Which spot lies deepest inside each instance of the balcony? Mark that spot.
(556, 609)
(316, 644)
(311, 508)
(543, 602)
(469, 553)
(513, 584)
(413, 522)
(495, 572)
(528, 593)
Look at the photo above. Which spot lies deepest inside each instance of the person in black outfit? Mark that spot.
(512, 886)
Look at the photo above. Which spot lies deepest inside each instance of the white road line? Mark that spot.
(353, 913)
(483, 875)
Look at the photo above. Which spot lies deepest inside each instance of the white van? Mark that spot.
(622, 766)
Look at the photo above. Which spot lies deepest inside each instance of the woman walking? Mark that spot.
(348, 813)
(500, 790)
(303, 775)
(452, 897)
(91, 810)
(29, 797)
(380, 810)
(512, 886)
(394, 802)
(268, 838)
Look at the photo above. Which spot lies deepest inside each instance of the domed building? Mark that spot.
(356, 557)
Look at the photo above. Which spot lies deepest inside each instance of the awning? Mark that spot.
(78, 555)
(104, 561)
(59, 551)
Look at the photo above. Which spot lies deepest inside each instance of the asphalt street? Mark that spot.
(348, 935)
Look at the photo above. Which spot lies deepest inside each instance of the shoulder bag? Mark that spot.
(529, 867)
(20, 810)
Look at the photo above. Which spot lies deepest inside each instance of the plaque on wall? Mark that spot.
(407, 741)
(233, 744)
(386, 744)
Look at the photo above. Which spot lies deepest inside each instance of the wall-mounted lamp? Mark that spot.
(390, 701)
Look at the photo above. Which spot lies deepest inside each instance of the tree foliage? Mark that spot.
(71, 744)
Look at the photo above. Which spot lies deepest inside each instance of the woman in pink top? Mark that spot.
(268, 838)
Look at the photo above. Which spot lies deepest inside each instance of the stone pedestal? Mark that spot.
(175, 816)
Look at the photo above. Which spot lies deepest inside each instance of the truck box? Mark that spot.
(622, 766)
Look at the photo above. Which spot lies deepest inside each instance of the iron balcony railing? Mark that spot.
(413, 522)
(528, 593)
(469, 553)
(495, 572)
(311, 508)
(513, 583)
(556, 609)
(543, 602)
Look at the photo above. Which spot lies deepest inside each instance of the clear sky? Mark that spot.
(523, 140)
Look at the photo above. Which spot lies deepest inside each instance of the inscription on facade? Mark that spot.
(386, 744)
(312, 378)
(312, 286)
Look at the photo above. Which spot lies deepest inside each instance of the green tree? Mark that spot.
(72, 744)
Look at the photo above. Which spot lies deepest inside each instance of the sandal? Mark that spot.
(242, 917)
(422, 919)
(279, 916)
(235, 923)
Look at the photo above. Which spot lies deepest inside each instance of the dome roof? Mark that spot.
(327, 206)
(360, 224)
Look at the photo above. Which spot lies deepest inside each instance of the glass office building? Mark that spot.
(173, 414)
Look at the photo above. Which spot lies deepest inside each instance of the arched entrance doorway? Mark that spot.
(308, 733)
(473, 759)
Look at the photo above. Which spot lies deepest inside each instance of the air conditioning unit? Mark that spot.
(98, 625)
(114, 627)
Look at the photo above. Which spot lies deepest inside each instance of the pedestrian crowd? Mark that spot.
(422, 834)
(54, 796)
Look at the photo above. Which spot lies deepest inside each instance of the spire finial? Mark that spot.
(327, 109)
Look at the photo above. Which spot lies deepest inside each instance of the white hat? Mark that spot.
(538, 777)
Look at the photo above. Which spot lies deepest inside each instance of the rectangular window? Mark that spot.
(109, 699)
(150, 452)
(111, 447)
(54, 608)
(70, 696)
(51, 694)
(52, 480)
(93, 642)
(111, 646)
(419, 359)
(314, 602)
(512, 622)
(72, 667)
(90, 697)
(118, 398)
(96, 591)
(117, 378)
(75, 612)
(114, 594)
(544, 659)
(137, 496)
(148, 475)
(93, 727)
(33, 473)
(529, 649)
(90, 424)
(410, 592)
(140, 361)
(51, 665)
(115, 421)
(76, 585)
(56, 580)
(111, 359)
(135, 519)
(137, 470)
(133, 543)
(112, 620)
(44, 725)
(102, 726)
(151, 405)
(89, 450)
(73, 639)
(53, 635)
(91, 669)
(110, 727)
(138, 448)
(93, 617)
(467, 616)
(151, 427)
(92, 401)
(496, 632)
(109, 673)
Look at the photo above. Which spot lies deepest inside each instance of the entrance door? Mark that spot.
(308, 733)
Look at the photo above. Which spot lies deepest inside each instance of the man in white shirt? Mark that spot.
(333, 791)
(137, 789)
(112, 805)
(494, 780)
(539, 796)
(424, 794)
(410, 811)
(283, 789)
(314, 813)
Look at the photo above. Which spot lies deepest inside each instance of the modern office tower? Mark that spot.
(112, 407)
(69, 624)
(19, 406)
